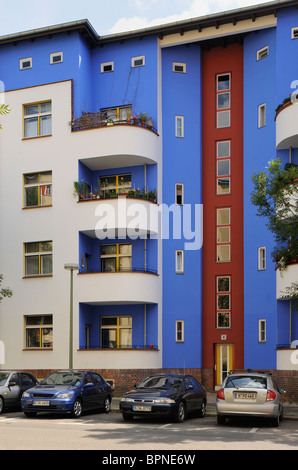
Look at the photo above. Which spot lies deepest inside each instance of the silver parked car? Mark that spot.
(249, 394)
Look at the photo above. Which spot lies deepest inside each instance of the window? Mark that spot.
(118, 113)
(117, 184)
(38, 331)
(223, 301)
(116, 258)
(179, 262)
(223, 235)
(262, 115)
(116, 332)
(179, 331)
(26, 63)
(107, 67)
(294, 33)
(179, 126)
(38, 258)
(138, 61)
(223, 100)
(38, 189)
(56, 58)
(262, 258)
(223, 167)
(262, 331)
(262, 53)
(179, 67)
(179, 194)
(38, 119)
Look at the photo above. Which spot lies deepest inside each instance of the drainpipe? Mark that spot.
(145, 254)
(145, 177)
(290, 155)
(290, 326)
(145, 325)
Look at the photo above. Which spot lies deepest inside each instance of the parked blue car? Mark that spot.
(68, 391)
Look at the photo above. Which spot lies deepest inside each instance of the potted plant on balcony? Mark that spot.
(142, 117)
(273, 195)
(80, 189)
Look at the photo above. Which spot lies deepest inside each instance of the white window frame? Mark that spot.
(262, 330)
(182, 194)
(179, 331)
(262, 258)
(179, 127)
(177, 65)
(134, 61)
(294, 33)
(56, 54)
(106, 64)
(262, 53)
(22, 62)
(179, 262)
(262, 115)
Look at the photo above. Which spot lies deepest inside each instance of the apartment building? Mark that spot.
(130, 157)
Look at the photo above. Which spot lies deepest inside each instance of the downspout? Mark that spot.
(290, 323)
(145, 326)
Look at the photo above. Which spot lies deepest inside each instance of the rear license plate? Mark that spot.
(141, 408)
(41, 403)
(245, 396)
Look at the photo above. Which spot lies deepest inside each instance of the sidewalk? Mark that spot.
(290, 409)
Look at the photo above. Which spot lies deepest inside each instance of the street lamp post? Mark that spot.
(71, 267)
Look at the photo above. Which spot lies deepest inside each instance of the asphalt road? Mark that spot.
(110, 433)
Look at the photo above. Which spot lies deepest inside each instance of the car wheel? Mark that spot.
(221, 419)
(127, 417)
(77, 408)
(107, 405)
(1, 405)
(202, 411)
(181, 413)
(275, 421)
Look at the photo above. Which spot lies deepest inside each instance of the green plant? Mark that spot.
(142, 117)
(4, 109)
(4, 292)
(274, 196)
(80, 188)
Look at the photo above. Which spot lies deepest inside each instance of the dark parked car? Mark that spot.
(12, 386)
(171, 395)
(68, 391)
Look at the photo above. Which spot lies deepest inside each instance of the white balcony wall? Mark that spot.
(286, 127)
(285, 279)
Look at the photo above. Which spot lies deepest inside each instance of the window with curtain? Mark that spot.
(38, 119)
(38, 259)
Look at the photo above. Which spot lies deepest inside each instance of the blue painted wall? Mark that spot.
(182, 293)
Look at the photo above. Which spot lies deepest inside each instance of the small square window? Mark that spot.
(262, 53)
(26, 63)
(107, 67)
(294, 33)
(179, 67)
(138, 61)
(56, 58)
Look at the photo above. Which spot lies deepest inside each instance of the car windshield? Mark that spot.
(3, 378)
(63, 378)
(248, 381)
(155, 382)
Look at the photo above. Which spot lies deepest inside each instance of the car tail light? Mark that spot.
(270, 395)
(221, 394)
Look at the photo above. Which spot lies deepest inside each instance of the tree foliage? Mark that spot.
(4, 109)
(4, 292)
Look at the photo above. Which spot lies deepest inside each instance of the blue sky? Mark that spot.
(107, 16)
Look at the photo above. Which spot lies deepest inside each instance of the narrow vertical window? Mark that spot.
(179, 194)
(262, 115)
(223, 302)
(179, 126)
(262, 331)
(223, 100)
(179, 331)
(223, 167)
(179, 261)
(262, 258)
(223, 235)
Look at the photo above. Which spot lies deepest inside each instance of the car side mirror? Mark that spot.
(189, 387)
(89, 384)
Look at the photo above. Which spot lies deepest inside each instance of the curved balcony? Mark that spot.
(116, 146)
(286, 126)
(284, 280)
(120, 216)
(118, 288)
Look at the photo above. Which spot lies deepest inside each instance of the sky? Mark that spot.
(107, 16)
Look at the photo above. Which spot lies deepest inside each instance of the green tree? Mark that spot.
(4, 109)
(4, 292)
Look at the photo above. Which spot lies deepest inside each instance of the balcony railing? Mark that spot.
(97, 120)
(99, 194)
(119, 270)
(150, 347)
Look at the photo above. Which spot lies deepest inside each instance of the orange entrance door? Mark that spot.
(224, 361)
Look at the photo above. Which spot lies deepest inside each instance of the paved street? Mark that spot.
(108, 432)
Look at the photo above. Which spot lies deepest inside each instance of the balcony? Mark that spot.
(284, 280)
(286, 126)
